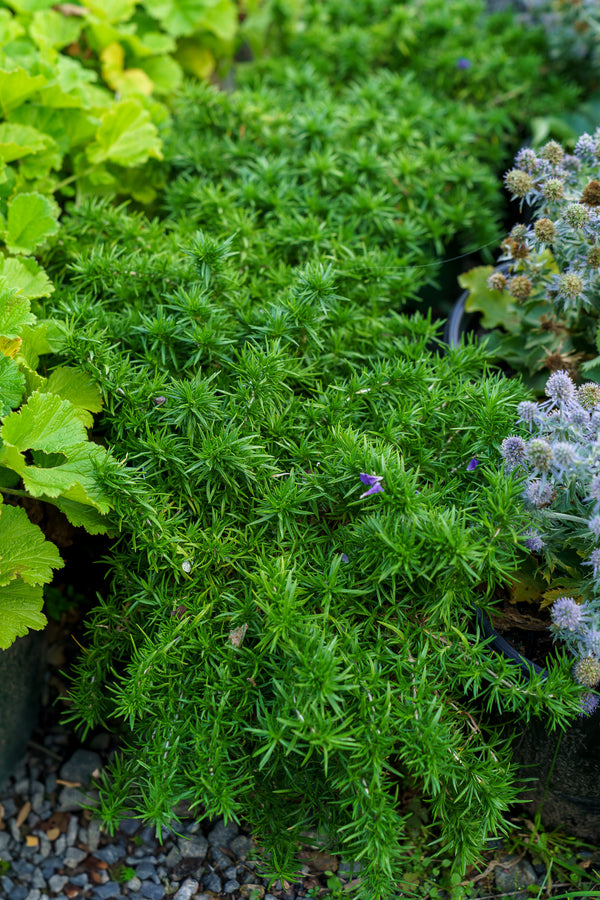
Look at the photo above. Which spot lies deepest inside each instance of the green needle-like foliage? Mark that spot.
(276, 647)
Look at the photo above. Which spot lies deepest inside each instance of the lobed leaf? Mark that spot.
(31, 219)
(20, 610)
(24, 551)
(126, 136)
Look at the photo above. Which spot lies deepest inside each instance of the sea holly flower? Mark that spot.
(568, 614)
(533, 541)
(594, 562)
(374, 483)
(586, 671)
(589, 704)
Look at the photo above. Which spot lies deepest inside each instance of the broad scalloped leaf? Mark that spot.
(83, 516)
(15, 311)
(31, 219)
(112, 10)
(47, 423)
(12, 385)
(17, 141)
(126, 136)
(27, 275)
(20, 610)
(73, 480)
(16, 86)
(165, 73)
(496, 307)
(220, 19)
(30, 5)
(79, 389)
(53, 29)
(24, 551)
(183, 17)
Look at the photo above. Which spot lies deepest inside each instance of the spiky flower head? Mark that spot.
(559, 387)
(520, 287)
(594, 527)
(588, 394)
(527, 411)
(518, 232)
(585, 148)
(586, 671)
(497, 281)
(568, 614)
(564, 454)
(594, 489)
(513, 451)
(553, 152)
(533, 541)
(570, 286)
(545, 230)
(593, 257)
(519, 183)
(576, 215)
(594, 562)
(539, 454)
(539, 494)
(526, 159)
(591, 642)
(589, 704)
(553, 189)
(591, 193)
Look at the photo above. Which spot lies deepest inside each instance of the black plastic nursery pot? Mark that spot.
(560, 771)
(21, 672)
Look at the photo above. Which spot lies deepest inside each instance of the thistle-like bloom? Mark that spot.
(588, 394)
(594, 489)
(545, 230)
(519, 183)
(586, 671)
(568, 614)
(594, 526)
(374, 482)
(576, 215)
(472, 464)
(591, 642)
(589, 704)
(594, 562)
(534, 541)
(539, 454)
(497, 281)
(538, 494)
(513, 451)
(553, 152)
(527, 159)
(553, 189)
(585, 148)
(564, 455)
(520, 287)
(527, 410)
(569, 287)
(560, 387)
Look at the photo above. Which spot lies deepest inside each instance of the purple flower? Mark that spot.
(463, 63)
(589, 704)
(472, 464)
(344, 557)
(374, 482)
(568, 614)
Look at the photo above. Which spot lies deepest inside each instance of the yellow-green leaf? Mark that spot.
(126, 136)
(31, 219)
(16, 87)
(20, 610)
(24, 551)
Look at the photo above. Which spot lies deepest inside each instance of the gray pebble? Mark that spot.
(134, 884)
(50, 783)
(173, 857)
(79, 880)
(93, 840)
(72, 831)
(7, 885)
(22, 787)
(44, 846)
(129, 826)
(231, 886)
(60, 844)
(349, 869)
(152, 891)
(34, 894)
(14, 831)
(19, 892)
(73, 799)
(187, 889)
(241, 846)
(270, 897)
(4, 840)
(57, 883)
(110, 854)
(513, 875)
(49, 867)
(37, 801)
(73, 856)
(80, 766)
(194, 847)
(106, 891)
(38, 880)
(146, 871)
(10, 808)
(220, 860)
(221, 834)
(231, 872)
(82, 835)
(213, 883)
(23, 869)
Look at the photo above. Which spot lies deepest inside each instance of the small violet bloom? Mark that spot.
(463, 63)
(472, 464)
(344, 557)
(374, 482)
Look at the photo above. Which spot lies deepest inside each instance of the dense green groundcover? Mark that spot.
(283, 640)
(275, 646)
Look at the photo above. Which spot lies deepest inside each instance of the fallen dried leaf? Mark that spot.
(23, 813)
(319, 861)
(52, 833)
(68, 783)
(31, 840)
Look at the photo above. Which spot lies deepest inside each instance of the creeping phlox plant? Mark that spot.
(546, 298)
(562, 461)
(44, 452)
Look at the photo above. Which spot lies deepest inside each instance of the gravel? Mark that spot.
(51, 848)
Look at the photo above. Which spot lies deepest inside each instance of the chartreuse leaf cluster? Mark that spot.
(44, 450)
(273, 647)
